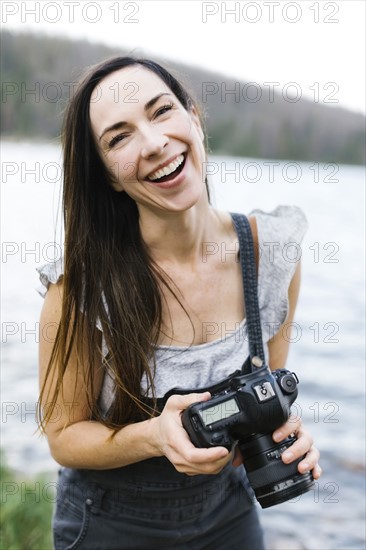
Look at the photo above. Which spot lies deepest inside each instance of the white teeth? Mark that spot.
(167, 169)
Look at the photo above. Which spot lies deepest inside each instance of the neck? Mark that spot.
(179, 236)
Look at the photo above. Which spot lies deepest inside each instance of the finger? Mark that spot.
(310, 461)
(191, 468)
(317, 471)
(293, 425)
(181, 402)
(197, 456)
(297, 449)
(238, 459)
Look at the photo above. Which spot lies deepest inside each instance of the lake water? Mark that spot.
(328, 348)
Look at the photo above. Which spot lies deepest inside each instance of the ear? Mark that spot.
(197, 122)
(117, 187)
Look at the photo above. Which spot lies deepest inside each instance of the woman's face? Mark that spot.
(150, 144)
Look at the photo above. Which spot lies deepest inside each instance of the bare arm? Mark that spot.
(77, 442)
(278, 351)
(278, 346)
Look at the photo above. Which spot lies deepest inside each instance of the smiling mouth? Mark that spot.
(168, 172)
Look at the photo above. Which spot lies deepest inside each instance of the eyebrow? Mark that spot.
(121, 124)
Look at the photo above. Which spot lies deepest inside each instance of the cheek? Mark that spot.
(122, 170)
(127, 172)
(194, 134)
(180, 126)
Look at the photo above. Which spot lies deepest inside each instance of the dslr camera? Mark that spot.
(246, 409)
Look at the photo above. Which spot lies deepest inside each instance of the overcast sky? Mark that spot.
(313, 48)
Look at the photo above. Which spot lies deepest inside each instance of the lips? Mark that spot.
(169, 171)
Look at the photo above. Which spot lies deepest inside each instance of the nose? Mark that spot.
(153, 142)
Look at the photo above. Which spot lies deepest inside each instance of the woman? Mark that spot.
(135, 303)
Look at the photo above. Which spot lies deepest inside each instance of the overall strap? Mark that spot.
(248, 269)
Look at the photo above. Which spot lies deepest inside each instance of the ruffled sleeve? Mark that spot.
(51, 272)
(280, 233)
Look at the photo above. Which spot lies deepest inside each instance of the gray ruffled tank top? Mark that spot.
(280, 233)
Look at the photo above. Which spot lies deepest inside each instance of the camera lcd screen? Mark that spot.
(219, 412)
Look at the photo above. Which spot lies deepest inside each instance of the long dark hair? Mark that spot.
(109, 279)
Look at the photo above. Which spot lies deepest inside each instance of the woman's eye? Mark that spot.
(116, 140)
(163, 109)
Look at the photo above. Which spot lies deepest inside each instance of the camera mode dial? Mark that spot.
(288, 383)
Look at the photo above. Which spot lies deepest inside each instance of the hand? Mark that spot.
(303, 446)
(172, 440)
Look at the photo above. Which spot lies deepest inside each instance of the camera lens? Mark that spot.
(272, 481)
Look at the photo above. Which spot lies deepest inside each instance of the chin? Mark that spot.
(186, 200)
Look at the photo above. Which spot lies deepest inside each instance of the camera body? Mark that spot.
(247, 408)
(254, 403)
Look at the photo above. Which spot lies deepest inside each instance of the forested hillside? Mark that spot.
(38, 72)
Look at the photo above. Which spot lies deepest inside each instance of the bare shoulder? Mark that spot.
(253, 227)
(55, 291)
(52, 305)
(227, 223)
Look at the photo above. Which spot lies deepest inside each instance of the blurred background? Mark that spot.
(282, 88)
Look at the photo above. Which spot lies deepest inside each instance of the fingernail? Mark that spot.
(277, 436)
(288, 456)
(305, 467)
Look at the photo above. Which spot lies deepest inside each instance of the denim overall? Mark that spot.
(149, 505)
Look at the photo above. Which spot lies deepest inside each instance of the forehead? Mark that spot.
(123, 93)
